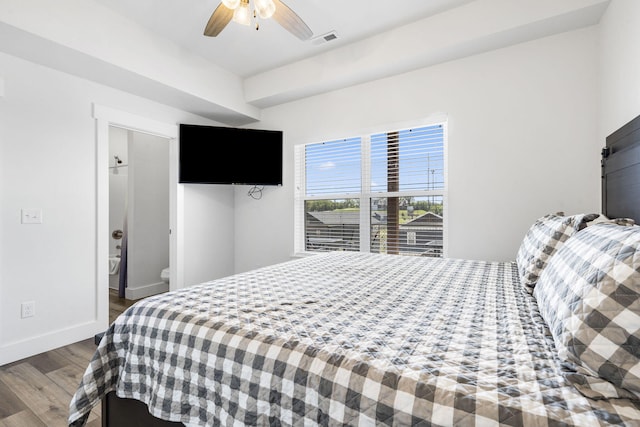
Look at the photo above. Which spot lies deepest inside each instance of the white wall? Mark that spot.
(48, 157)
(264, 227)
(114, 50)
(209, 239)
(148, 215)
(522, 132)
(619, 44)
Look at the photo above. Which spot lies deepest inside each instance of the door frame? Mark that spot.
(106, 117)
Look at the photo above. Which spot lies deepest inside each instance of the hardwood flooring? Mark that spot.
(117, 305)
(36, 391)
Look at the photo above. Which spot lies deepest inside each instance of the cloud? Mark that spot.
(327, 165)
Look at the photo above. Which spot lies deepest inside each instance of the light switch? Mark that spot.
(31, 216)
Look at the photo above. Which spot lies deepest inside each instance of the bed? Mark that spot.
(366, 339)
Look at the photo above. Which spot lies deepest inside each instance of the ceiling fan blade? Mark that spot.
(219, 19)
(291, 21)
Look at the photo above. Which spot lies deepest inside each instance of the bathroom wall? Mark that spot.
(118, 146)
(148, 214)
(140, 190)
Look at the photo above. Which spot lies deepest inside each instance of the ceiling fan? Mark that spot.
(240, 11)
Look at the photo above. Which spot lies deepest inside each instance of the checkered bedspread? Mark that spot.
(345, 339)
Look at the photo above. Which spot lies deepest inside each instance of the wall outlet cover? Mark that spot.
(28, 309)
(31, 216)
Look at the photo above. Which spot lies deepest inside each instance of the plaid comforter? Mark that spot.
(345, 339)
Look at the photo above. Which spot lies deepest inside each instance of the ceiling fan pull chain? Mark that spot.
(255, 18)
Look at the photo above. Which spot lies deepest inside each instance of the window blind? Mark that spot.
(417, 230)
(333, 167)
(332, 225)
(379, 193)
(413, 158)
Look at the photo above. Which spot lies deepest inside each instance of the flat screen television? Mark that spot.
(223, 155)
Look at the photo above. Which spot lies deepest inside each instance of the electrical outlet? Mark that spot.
(28, 309)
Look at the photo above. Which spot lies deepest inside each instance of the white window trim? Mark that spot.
(365, 195)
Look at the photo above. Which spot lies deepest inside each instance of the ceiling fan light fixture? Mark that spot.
(242, 14)
(245, 12)
(265, 8)
(231, 4)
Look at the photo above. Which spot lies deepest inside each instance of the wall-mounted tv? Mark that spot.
(223, 155)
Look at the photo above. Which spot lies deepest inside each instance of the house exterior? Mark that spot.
(334, 230)
(422, 235)
(339, 230)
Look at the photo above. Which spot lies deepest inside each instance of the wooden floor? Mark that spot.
(117, 305)
(35, 392)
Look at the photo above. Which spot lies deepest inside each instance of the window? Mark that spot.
(411, 238)
(382, 193)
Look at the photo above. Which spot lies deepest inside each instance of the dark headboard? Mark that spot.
(621, 173)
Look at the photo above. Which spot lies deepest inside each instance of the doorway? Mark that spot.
(138, 213)
(107, 118)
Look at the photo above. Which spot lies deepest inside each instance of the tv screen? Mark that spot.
(222, 155)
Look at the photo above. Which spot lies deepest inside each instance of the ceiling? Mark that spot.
(155, 49)
(245, 52)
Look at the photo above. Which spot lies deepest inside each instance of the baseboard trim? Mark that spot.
(146, 290)
(19, 350)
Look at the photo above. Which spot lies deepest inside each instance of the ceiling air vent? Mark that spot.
(325, 38)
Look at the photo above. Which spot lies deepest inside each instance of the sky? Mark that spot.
(334, 166)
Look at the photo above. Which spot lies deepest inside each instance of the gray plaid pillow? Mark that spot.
(589, 295)
(543, 239)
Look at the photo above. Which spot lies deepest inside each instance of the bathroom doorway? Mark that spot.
(107, 118)
(139, 219)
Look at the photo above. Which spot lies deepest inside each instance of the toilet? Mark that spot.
(114, 271)
(114, 265)
(164, 275)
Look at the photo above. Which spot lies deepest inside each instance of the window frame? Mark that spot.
(365, 195)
